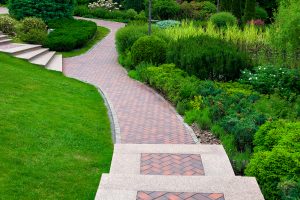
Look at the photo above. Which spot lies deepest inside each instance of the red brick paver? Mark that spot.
(142, 195)
(171, 164)
(143, 116)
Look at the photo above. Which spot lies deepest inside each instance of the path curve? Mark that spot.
(143, 115)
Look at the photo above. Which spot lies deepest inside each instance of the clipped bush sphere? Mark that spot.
(30, 23)
(261, 13)
(207, 9)
(149, 49)
(223, 19)
(8, 25)
(45, 9)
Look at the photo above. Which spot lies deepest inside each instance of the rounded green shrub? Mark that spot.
(126, 37)
(8, 25)
(69, 34)
(261, 13)
(149, 49)
(45, 9)
(276, 159)
(207, 9)
(223, 19)
(208, 58)
(33, 30)
(131, 14)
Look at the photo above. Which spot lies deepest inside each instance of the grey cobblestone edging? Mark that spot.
(114, 124)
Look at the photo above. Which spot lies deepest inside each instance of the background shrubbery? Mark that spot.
(208, 58)
(45, 9)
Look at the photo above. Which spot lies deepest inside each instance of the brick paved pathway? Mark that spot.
(178, 196)
(143, 116)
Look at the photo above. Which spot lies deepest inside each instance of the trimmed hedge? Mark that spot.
(208, 58)
(223, 19)
(45, 9)
(70, 34)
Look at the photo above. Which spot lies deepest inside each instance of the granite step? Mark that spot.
(43, 59)
(3, 37)
(118, 186)
(32, 54)
(171, 159)
(56, 64)
(22, 48)
(5, 41)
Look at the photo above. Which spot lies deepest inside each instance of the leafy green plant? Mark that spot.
(149, 49)
(33, 30)
(276, 159)
(269, 79)
(223, 19)
(261, 13)
(8, 25)
(207, 9)
(167, 24)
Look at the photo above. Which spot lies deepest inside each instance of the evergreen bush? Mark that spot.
(45, 9)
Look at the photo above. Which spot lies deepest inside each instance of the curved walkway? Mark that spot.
(143, 116)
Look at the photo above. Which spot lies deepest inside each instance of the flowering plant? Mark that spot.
(106, 4)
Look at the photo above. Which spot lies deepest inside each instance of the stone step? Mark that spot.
(32, 54)
(3, 37)
(22, 48)
(43, 59)
(56, 64)
(117, 187)
(5, 41)
(171, 159)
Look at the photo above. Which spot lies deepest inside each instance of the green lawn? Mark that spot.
(55, 139)
(100, 34)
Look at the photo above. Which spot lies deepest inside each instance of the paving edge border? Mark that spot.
(114, 124)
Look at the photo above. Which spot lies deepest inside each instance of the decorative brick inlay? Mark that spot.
(178, 196)
(171, 164)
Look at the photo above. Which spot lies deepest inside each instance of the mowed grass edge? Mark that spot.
(55, 138)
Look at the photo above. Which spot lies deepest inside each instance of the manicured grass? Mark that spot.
(55, 139)
(100, 34)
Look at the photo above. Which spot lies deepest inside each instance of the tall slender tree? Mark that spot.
(249, 10)
(226, 5)
(236, 8)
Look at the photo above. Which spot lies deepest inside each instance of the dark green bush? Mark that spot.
(261, 13)
(207, 9)
(269, 79)
(149, 49)
(276, 161)
(137, 5)
(45, 9)
(2, 2)
(165, 9)
(223, 19)
(208, 58)
(70, 34)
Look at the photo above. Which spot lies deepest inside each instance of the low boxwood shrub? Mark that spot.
(149, 49)
(70, 34)
(33, 30)
(208, 58)
(276, 161)
(8, 25)
(223, 19)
